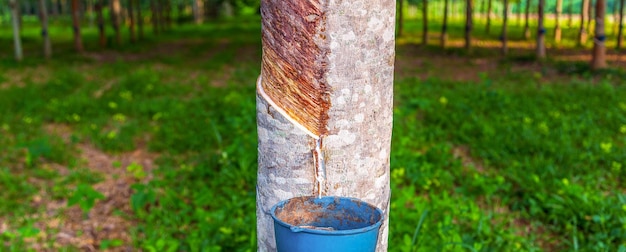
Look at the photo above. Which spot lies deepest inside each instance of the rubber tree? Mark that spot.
(444, 24)
(557, 25)
(324, 104)
(131, 21)
(527, 20)
(78, 41)
(15, 22)
(469, 24)
(589, 15)
(139, 19)
(43, 16)
(115, 12)
(154, 16)
(570, 13)
(582, 32)
(424, 22)
(489, 9)
(598, 59)
(541, 31)
(197, 8)
(100, 20)
(620, 27)
(505, 19)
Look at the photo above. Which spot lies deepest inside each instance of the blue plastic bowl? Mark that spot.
(326, 224)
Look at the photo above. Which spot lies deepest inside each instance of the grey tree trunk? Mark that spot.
(541, 32)
(582, 33)
(469, 24)
(425, 22)
(598, 60)
(15, 21)
(527, 20)
(620, 28)
(505, 18)
(444, 25)
(327, 129)
(43, 15)
(557, 26)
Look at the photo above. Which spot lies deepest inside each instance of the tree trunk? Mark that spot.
(154, 16)
(100, 21)
(598, 60)
(197, 8)
(78, 42)
(582, 33)
(17, 39)
(589, 15)
(620, 28)
(489, 7)
(468, 23)
(161, 14)
(131, 21)
(615, 16)
(505, 18)
(444, 25)
(570, 13)
(557, 26)
(541, 32)
(139, 20)
(425, 22)
(342, 96)
(527, 20)
(115, 20)
(43, 16)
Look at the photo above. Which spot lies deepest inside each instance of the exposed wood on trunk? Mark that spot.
(78, 42)
(43, 16)
(620, 28)
(17, 39)
(131, 21)
(444, 25)
(557, 26)
(424, 22)
(582, 32)
(100, 21)
(527, 20)
(505, 18)
(598, 60)
(469, 23)
(541, 31)
(337, 57)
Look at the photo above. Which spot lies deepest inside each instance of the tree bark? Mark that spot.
(444, 25)
(198, 8)
(468, 23)
(139, 19)
(100, 21)
(43, 16)
(541, 32)
(505, 18)
(115, 20)
(589, 15)
(620, 28)
(598, 60)
(17, 39)
(582, 33)
(131, 21)
(570, 13)
(425, 22)
(527, 20)
(154, 16)
(78, 42)
(489, 8)
(557, 26)
(342, 95)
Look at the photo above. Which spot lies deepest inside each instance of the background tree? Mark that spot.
(139, 19)
(444, 24)
(527, 20)
(100, 20)
(505, 18)
(131, 21)
(582, 32)
(469, 23)
(489, 8)
(197, 8)
(78, 42)
(424, 22)
(294, 109)
(17, 40)
(557, 24)
(620, 27)
(598, 60)
(115, 12)
(570, 13)
(43, 16)
(541, 31)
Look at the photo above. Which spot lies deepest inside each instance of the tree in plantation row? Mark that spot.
(582, 32)
(589, 15)
(78, 42)
(131, 21)
(444, 24)
(620, 27)
(527, 20)
(557, 25)
(598, 60)
(197, 8)
(115, 11)
(425, 22)
(505, 18)
(541, 31)
(469, 23)
(489, 8)
(100, 20)
(43, 16)
(326, 130)
(17, 39)
(570, 13)
(154, 16)
(139, 19)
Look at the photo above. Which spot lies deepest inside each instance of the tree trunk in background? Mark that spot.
(589, 15)
(17, 39)
(347, 98)
(505, 18)
(161, 14)
(598, 60)
(425, 22)
(43, 16)
(131, 21)
(582, 33)
(197, 8)
(468, 23)
(615, 16)
(570, 14)
(78, 42)
(139, 19)
(519, 13)
(115, 12)
(557, 25)
(620, 28)
(541, 32)
(527, 18)
(154, 16)
(489, 7)
(54, 10)
(444, 25)
(100, 21)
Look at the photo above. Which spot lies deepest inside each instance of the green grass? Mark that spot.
(549, 153)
